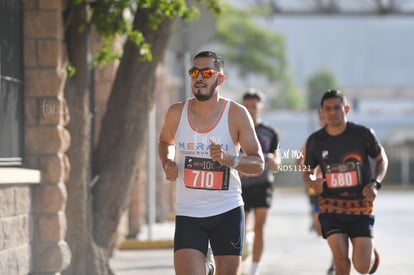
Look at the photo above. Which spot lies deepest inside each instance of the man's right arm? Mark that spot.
(166, 145)
(310, 177)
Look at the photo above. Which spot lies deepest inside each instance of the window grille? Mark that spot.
(11, 83)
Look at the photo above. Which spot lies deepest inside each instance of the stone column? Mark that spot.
(46, 139)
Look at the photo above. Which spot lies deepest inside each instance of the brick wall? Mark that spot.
(46, 141)
(15, 229)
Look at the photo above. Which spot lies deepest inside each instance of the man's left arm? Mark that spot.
(381, 166)
(380, 170)
(243, 132)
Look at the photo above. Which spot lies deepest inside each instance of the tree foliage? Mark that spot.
(251, 47)
(317, 84)
(113, 18)
(256, 50)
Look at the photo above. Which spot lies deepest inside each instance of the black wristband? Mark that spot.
(378, 184)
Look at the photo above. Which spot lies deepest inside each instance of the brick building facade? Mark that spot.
(33, 194)
(33, 184)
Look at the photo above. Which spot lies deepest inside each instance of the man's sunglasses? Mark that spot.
(205, 73)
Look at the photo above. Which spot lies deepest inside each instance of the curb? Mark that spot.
(154, 244)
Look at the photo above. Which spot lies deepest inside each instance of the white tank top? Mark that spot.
(204, 188)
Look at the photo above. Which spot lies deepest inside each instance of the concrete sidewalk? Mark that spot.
(156, 236)
(291, 248)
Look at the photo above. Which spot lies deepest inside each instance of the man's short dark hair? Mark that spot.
(218, 60)
(333, 94)
(254, 94)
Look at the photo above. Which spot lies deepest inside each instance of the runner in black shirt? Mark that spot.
(257, 190)
(348, 188)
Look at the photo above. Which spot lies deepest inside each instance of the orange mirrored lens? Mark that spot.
(205, 73)
(193, 73)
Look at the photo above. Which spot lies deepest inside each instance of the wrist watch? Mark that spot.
(236, 161)
(378, 184)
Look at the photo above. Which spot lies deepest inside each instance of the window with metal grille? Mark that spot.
(11, 83)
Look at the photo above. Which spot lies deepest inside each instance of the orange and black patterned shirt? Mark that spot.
(345, 163)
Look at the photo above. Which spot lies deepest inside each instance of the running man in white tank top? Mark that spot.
(198, 147)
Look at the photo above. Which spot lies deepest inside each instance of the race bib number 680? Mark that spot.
(203, 173)
(342, 175)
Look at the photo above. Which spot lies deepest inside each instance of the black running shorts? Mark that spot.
(352, 225)
(224, 231)
(257, 197)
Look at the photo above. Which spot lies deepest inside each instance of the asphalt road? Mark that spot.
(291, 248)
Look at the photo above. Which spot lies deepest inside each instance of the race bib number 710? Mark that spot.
(203, 173)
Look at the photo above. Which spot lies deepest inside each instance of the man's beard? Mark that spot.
(205, 97)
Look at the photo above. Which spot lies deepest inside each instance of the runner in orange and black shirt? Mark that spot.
(348, 188)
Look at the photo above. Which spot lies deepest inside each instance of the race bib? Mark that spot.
(203, 173)
(343, 175)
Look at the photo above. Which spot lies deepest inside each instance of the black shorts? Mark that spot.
(352, 225)
(224, 231)
(257, 197)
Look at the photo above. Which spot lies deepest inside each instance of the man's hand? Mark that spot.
(370, 191)
(316, 185)
(218, 154)
(170, 169)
